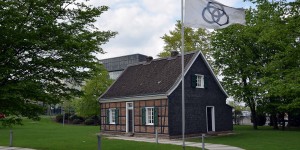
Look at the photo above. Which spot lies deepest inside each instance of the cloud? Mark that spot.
(140, 24)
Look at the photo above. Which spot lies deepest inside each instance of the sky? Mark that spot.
(141, 24)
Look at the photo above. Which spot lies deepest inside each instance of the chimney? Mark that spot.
(174, 53)
(149, 58)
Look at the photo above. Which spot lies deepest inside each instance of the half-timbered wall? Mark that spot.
(161, 105)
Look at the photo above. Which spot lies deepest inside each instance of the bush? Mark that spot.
(67, 115)
(77, 121)
(95, 117)
(59, 118)
(89, 121)
(261, 119)
(73, 117)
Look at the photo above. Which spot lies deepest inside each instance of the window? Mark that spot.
(149, 115)
(112, 116)
(197, 81)
(200, 81)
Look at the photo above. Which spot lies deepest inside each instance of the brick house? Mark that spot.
(147, 96)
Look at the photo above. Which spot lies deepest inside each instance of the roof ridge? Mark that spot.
(160, 59)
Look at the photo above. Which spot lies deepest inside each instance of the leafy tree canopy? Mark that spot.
(194, 39)
(88, 104)
(260, 61)
(45, 47)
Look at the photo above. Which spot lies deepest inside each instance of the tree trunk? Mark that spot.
(282, 121)
(254, 119)
(275, 122)
(250, 101)
(253, 115)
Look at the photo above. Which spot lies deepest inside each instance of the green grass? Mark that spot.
(263, 139)
(48, 135)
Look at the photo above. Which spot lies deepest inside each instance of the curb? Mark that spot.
(176, 142)
(14, 148)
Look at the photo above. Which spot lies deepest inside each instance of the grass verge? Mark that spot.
(48, 135)
(263, 139)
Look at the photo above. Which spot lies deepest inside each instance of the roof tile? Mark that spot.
(148, 78)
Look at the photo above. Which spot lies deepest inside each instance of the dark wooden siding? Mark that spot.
(196, 101)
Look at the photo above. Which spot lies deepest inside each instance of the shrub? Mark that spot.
(95, 117)
(67, 115)
(89, 121)
(261, 119)
(59, 118)
(77, 121)
(73, 117)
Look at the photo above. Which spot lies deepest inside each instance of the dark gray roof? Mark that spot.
(148, 78)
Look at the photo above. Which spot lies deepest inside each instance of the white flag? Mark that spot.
(211, 14)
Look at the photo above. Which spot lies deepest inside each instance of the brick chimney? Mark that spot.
(149, 58)
(174, 53)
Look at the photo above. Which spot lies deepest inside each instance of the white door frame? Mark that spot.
(129, 108)
(213, 124)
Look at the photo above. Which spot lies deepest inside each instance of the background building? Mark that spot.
(115, 66)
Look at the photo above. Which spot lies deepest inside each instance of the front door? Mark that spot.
(130, 120)
(129, 117)
(210, 118)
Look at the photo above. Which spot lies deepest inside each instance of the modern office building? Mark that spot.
(115, 66)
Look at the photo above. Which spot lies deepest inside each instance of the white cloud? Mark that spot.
(140, 24)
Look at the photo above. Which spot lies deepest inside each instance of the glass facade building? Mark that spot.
(115, 66)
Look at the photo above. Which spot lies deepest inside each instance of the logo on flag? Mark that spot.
(211, 14)
(215, 14)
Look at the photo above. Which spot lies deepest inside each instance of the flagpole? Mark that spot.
(182, 76)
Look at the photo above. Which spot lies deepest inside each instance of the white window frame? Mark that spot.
(112, 116)
(200, 80)
(149, 117)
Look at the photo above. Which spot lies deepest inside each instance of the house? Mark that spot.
(147, 97)
(115, 66)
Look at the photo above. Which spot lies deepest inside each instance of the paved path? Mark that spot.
(14, 148)
(177, 142)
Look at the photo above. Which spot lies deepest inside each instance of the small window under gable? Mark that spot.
(200, 81)
(197, 81)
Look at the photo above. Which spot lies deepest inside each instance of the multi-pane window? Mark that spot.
(200, 81)
(149, 115)
(112, 116)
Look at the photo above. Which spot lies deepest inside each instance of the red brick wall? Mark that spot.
(161, 104)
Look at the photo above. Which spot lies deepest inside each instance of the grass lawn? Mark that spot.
(48, 135)
(263, 139)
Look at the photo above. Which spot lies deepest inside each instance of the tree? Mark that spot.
(237, 60)
(88, 104)
(281, 79)
(46, 46)
(247, 54)
(194, 39)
